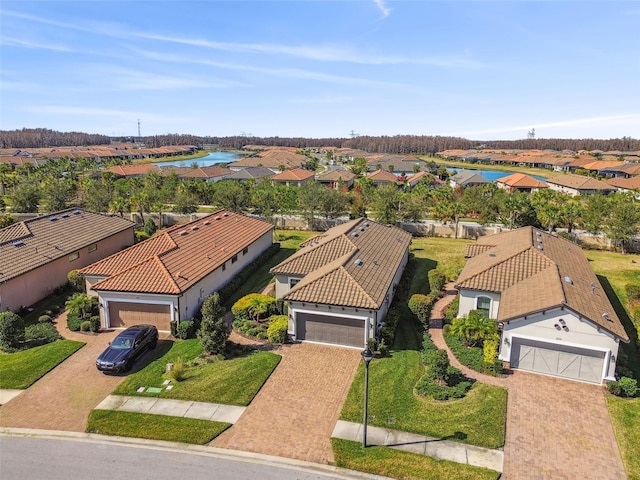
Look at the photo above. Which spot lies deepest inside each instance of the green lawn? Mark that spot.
(233, 382)
(625, 417)
(154, 427)
(445, 254)
(394, 463)
(21, 369)
(477, 419)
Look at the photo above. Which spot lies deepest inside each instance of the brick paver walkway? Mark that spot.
(556, 429)
(296, 410)
(63, 399)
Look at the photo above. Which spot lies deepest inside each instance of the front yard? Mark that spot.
(22, 369)
(625, 417)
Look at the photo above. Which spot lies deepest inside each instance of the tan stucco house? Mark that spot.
(574, 185)
(555, 316)
(339, 285)
(37, 254)
(168, 276)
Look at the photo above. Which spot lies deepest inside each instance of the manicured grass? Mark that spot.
(445, 254)
(393, 463)
(477, 419)
(625, 417)
(291, 239)
(619, 269)
(154, 427)
(233, 382)
(542, 172)
(21, 369)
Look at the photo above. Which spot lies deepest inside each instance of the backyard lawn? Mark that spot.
(232, 382)
(625, 417)
(21, 369)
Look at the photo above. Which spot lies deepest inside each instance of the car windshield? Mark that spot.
(121, 343)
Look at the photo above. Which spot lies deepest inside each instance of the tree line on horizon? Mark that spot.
(398, 144)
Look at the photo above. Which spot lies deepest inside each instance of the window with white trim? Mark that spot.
(484, 305)
(293, 282)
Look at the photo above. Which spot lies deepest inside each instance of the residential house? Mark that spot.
(521, 182)
(212, 173)
(167, 277)
(574, 185)
(631, 185)
(554, 315)
(467, 178)
(273, 159)
(382, 177)
(337, 178)
(250, 173)
(295, 177)
(37, 254)
(339, 285)
(133, 170)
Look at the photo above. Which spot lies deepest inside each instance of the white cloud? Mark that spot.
(17, 42)
(386, 11)
(100, 112)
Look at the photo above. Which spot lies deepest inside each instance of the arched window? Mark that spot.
(484, 305)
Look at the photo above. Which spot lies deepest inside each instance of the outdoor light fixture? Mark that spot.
(367, 356)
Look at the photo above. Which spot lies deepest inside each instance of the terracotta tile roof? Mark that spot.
(175, 259)
(212, 171)
(30, 244)
(535, 271)
(632, 183)
(579, 182)
(272, 159)
(293, 175)
(134, 169)
(602, 164)
(382, 176)
(337, 175)
(520, 180)
(350, 265)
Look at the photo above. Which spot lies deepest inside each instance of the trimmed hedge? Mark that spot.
(186, 330)
(277, 330)
(253, 306)
(437, 280)
(421, 306)
(73, 322)
(625, 387)
(40, 334)
(11, 331)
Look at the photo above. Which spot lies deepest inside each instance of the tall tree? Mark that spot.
(386, 204)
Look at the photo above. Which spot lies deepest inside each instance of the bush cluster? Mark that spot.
(625, 387)
(73, 322)
(243, 275)
(254, 306)
(277, 330)
(437, 281)
(186, 329)
(452, 310)
(11, 331)
(472, 357)
(45, 319)
(40, 334)
(85, 326)
(250, 328)
(421, 306)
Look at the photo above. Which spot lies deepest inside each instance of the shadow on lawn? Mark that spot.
(457, 436)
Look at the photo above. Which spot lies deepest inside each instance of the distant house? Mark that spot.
(419, 177)
(335, 178)
(381, 177)
(574, 184)
(134, 170)
(521, 182)
(273, 159)
(631, 185)
(339, 285)
(467, 178)
(37, 254)
(250, 173)
(295, 177)
(555, 316)
(213, 173)
(167, 277)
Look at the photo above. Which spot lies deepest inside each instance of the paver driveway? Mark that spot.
(295, 412)
(63, 399)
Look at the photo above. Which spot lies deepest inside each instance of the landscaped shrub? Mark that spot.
(76, 281)
(45, 319)
(452, 311)
(421, 306)
(40, 334)
(73, 322)
(254, 306)
(492, 364)
(150, 227)
(140, 236)
(186, 330)
(81, 305)
(474, 328)
(438, 366)
(277, 330)
(428, 348)
(11, 331)
(437, 280)
(85, 326)
(472, 357)
(388, 331)
(95, 323)
(214, 331)
(625, 387)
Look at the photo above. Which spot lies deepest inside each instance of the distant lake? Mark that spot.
(211, 159)
(493, 175)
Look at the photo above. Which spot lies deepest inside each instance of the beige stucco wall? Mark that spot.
(469, 301)
(32, 286)
(581, 333)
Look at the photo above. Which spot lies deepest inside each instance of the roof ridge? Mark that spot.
(165, 270)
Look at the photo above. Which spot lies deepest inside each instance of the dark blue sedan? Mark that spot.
(126, 348)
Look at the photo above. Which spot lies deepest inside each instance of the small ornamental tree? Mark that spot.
(474, 328)
(150, 227)
(214, 331)
(420, 305)
(438, 366)
(76, 281)
(11, 331)
(437, 280)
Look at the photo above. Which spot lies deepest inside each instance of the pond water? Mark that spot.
(493, 175)
(211, 159)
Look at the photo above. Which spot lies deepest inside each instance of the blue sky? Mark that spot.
(477, 69)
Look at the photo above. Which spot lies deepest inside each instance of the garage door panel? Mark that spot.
(125, 314)
(558, 360)
(328, 329)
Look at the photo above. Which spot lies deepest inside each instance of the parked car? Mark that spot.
(126, 348)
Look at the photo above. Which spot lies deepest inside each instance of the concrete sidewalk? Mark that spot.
(7, 395)
(175, 408)
(414, 443)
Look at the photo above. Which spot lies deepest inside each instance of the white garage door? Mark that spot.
(125, 314)
(327, 329)
(557, 360)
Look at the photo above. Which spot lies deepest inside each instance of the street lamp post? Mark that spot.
(367, 356)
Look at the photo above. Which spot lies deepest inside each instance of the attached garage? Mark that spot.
(328, 329)
(125, 314)
(576, 363)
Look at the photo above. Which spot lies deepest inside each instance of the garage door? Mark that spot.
(124, 314)
(333, 330)
(557, 360)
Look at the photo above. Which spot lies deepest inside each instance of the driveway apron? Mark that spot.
(63, 398)
(295, 412)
